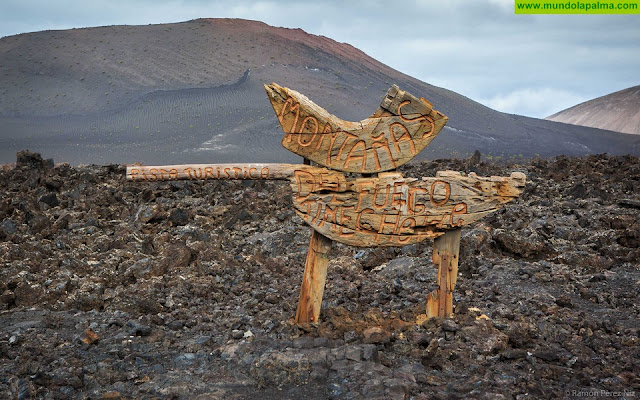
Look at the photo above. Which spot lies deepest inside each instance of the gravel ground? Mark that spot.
(112, 289)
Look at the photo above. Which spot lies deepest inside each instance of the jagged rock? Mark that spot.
(50, 199)
(8, 227)
(474, 160)
(376, 335)
(174, 259)
(524, 244)
(179, 216)
(449, 325)
(237, 334)
(485, 339)
(27, 294)
(146, 213)
(521, 334)
(277, 368)
(630, 203)
(30, 159)
(138, 329)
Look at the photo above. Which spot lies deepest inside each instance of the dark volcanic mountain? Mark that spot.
(192, 92)
(619, 111)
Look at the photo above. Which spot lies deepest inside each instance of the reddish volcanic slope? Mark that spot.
(619, 111)
(97, 69)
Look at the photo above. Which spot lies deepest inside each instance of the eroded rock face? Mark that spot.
(188, 289)
(29, 159)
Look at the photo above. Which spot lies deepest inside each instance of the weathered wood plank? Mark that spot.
(402, 126)
(394, 211)
(211, 172)
(446, 251)
(313, 281)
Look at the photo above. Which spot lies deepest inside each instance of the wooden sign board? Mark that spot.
(394, 211)
(401, 128)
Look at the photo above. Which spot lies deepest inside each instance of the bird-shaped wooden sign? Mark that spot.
(400, 128)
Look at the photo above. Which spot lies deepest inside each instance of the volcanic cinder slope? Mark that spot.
(192, 92)
(619, 111)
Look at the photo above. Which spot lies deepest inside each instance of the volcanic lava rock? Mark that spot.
(50, 199)
(376, 335)
(33, 160)
(8, 227)
(179, 216)
(138, 329)
(546, 296)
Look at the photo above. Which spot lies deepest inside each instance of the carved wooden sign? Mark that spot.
(383, 210)
(394, 211)
(401, 128)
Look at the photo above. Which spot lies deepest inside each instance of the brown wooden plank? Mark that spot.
(402, 126)
(210, 172)
(394, 211)
(443, 276)
(313, 281)
(446, 251)
(432, 304)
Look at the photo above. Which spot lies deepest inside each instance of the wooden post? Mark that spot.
(446, 249)
(315, 275)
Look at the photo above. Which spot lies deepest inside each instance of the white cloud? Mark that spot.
(505, 4)
(536, 102)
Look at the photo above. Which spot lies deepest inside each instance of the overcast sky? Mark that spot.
(531, 65)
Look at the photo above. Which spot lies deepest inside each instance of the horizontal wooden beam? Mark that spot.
(211, 172)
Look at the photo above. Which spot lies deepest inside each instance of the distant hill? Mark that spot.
(192, 92)
(619, 111)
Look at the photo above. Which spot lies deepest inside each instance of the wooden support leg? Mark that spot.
(446, 249)
(315, 275)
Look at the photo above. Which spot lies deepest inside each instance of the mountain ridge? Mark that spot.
(618, 111)
(154, 93)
